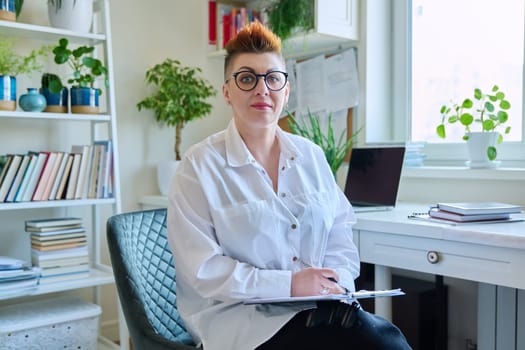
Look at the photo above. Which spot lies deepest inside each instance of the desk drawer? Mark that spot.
(494, 265)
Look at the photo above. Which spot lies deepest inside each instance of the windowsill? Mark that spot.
(457, 172)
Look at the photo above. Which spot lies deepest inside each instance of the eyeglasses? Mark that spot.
(247, 80)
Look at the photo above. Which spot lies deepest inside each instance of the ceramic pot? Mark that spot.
(72, 15)
(7, 10)
(32, 101)
(84, 100)
(477, 145)
(165, 171)
(7, 93)
(56, 102)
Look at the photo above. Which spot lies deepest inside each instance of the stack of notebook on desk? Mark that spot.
(472, 212)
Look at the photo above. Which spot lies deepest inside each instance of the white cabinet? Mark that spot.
(336, 27)
(21, 132)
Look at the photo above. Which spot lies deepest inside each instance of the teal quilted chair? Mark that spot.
(145, 278)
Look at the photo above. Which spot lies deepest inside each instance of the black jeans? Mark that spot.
(335, 325)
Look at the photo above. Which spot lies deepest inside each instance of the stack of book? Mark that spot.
(414, 156)
(17, 277)
(59, 248)
(474, 211)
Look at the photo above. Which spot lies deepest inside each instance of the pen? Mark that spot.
(335, 281)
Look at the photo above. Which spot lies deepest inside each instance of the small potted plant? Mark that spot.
(334, 150)
(287, 16)
(86, 70)
(56, 101)
(12, 65)
(180, 97)
(486, 112)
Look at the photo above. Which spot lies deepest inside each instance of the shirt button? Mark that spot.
(294, 226)
(283, 194)
(295, 258)
(292, 158)
(283, 168)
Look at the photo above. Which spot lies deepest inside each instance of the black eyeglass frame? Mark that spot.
(257, 76)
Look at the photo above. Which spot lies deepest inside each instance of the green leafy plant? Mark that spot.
(86, 69)
(18, 7)
(310, 128)
(285, 16)
(486, 110)
(13, 64)
(180, 96)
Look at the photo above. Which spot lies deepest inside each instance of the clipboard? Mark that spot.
(362, 294)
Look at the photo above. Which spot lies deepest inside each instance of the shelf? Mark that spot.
(48, 33)
(56, 116)
(55, 204)
(98, 276)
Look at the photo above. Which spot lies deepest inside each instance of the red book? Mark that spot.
(226, 24)
(212, 22)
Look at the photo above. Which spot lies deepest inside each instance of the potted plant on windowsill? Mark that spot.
(12, 65)
(487, 112)
(285, 17)
(10, 9)
(180, 97)
(86, 70)
(334, 150)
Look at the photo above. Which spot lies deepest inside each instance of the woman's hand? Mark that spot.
(315, 281)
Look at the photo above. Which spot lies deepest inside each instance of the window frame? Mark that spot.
(396, 126)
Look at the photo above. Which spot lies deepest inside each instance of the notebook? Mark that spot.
(373, 177)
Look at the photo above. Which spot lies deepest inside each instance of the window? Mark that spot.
(459, 45)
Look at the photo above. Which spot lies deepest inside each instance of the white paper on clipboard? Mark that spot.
(362, 294)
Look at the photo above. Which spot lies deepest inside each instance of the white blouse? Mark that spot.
(234, 238)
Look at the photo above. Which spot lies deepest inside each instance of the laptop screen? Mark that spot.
(374, 175)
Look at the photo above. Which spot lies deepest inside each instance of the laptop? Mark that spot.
(373, 177)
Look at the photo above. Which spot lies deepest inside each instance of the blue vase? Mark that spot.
(56, 102)
(84, 100)
(7, 93)
(32, 101)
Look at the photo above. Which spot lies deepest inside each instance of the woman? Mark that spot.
(255, 212)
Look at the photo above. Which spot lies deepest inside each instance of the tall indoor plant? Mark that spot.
(13, 64)
(481, 117)
(180, 96)
(335, 150)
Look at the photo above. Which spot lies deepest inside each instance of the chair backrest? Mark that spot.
(145, 277)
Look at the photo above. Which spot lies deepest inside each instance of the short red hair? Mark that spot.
(252, 38)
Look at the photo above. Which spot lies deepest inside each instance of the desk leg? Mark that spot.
(383, 280)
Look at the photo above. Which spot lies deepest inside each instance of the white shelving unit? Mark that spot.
(336, 27)
(61, 130)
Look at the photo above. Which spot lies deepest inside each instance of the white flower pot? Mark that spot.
(76, 15)
(165, 171)
(477, 145)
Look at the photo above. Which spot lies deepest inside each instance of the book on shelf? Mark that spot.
(94, 171)
(18, 178)
(53, 222)
(63, 277)
(442, 214)
(44, 176)
(58, 176)
(472, 208)
(61, 189)
(53, 235)
(104, 168)
(52, 176)
(35, 177)
(60, 270)
(56, 247)
(57, 240)
(83, 172)
(12, 168)
(52, 231)
(73, 177)
(10, 263)
(4, 165)
(33, 158)
(61, 262)
(38, 256)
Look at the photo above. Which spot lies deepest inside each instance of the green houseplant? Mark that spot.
(335, 150)
(286, 16)
(13, 64)
(486, 112)
(86, 70)
(180, 96)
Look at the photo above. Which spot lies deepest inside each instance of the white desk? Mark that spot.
(493, 254)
